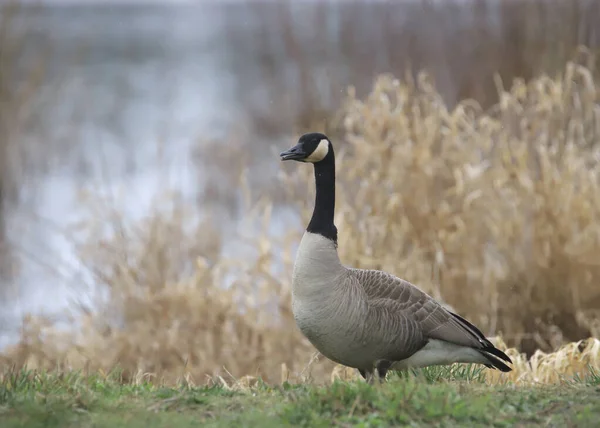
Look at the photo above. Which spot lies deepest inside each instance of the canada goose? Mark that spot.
(368, 319)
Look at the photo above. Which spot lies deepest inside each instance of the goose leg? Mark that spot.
(367, 375)
(382, 368)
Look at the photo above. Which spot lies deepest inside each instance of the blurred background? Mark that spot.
(146, 220)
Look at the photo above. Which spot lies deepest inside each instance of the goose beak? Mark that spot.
(295, 153)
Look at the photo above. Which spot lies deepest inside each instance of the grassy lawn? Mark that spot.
(428, 398)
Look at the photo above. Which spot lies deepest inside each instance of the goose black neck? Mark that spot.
(322, 218)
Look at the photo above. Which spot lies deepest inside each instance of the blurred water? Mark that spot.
(138, 87)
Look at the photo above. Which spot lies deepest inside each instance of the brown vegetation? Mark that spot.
(490, 205)
(493, 212)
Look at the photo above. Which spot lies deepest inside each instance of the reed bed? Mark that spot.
(494, 211)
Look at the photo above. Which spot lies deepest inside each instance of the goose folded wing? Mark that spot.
(396, 335)
(434, 321)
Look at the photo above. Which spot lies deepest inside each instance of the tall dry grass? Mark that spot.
(226, 315)
(493, 211)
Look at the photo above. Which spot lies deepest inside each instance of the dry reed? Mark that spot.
(493, 212)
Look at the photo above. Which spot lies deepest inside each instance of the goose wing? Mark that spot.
(403, 303)
(395, 335)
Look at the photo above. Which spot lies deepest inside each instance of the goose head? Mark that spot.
(313, 147)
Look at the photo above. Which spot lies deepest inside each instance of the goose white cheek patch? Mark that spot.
(320, 152)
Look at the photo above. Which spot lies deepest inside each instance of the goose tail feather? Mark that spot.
(495, 357)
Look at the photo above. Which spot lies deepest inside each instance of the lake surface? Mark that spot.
(129, 92)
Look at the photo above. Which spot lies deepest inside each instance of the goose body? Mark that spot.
(369, 319)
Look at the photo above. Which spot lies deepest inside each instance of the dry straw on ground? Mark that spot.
(494, 212)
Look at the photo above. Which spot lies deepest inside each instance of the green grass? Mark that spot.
(434, 397)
